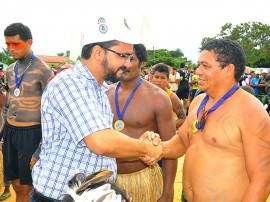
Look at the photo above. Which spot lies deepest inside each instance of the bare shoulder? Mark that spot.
(153, 92)
(11, 67)
(251, 113)
(155, 96)
(41, 65)
(111, 89)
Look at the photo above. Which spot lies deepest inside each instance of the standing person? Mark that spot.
(251, 76)
(255, 82)
(160, 79)
(6, 194)
(227, 158)
(2, 73)
(183, 90)
(133, 101)
(25, 80)
(195, 86)
(174, 79)
(267, 85)
(77, 133)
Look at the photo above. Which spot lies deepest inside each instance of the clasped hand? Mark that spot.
(154, 148)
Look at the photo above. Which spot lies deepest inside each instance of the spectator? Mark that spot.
(25, 81)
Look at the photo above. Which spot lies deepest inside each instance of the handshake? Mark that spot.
(154, 148)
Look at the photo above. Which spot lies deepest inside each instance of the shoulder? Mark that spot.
(251, 117)
(245, 113)
(39, 63)
(111, 89)
(11, 67)
(154, 94)
(152, 89)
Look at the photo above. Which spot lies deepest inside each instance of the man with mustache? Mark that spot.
(76, 114)
(140, 106)
(226, 135)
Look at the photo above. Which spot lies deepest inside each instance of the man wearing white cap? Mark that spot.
(254, 83)
(76, 114)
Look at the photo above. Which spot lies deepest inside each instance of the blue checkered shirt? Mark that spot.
(73, 106)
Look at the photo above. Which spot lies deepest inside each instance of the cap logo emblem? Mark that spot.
(103, 29)
(102, 25)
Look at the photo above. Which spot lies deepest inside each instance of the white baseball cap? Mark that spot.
(257, 72)
(103, 29)
(264, 71)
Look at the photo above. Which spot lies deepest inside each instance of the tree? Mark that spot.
(5, 57)
(254, 37)
(67, 54)
(170, 57)
(60, 54)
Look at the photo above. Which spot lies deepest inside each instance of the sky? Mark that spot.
(56, 25)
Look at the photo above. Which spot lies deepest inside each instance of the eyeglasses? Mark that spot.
(125, 56)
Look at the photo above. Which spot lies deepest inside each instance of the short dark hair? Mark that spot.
(87, 49)
(248, 89)
(267, 78)
(228, 52)
(163, 68)
(141, 53)
(20, 29)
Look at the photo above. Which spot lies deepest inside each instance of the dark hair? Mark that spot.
(87, 49)
(20, 29)
(267, 78)
(182, 65)
(141, 53)
(248, 89)
(161, 67)
(228, 52)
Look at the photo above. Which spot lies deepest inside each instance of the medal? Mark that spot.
(119, 125)
(200, 124)
(194, 128)
(17, 92)
(18, 79)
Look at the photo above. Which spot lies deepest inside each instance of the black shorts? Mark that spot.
(182, 93)
(19, 145)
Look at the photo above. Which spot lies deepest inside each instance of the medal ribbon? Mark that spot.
(17, 80)
(200, 124)
(121, 114)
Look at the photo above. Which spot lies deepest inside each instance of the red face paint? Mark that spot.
(18, 46)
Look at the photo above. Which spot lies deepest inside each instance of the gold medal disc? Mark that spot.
(194, 129)
(119, 125)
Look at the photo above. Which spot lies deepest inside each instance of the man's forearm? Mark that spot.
(256, 194)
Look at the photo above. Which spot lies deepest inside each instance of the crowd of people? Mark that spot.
(54, 126)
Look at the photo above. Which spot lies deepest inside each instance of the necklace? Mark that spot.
(18, 79)
(119, 124)
(198, 125)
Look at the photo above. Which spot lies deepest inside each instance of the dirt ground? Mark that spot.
(177, 183)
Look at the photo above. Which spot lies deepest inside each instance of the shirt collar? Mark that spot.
(79, 66)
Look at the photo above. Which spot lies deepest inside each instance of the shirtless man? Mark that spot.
(149, 109)
(228, 151)
(25, 80)
(161, 79)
